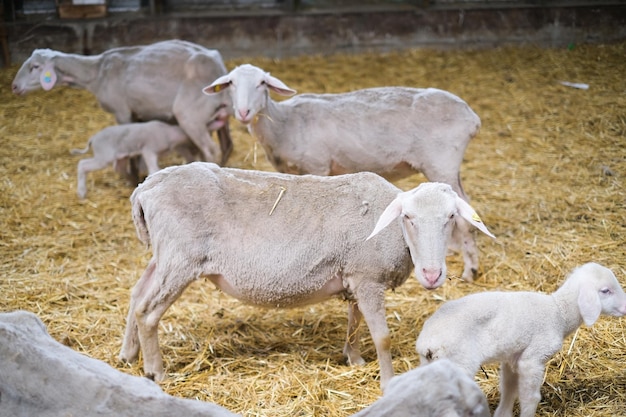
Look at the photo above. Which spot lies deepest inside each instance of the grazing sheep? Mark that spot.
(392, 131)
(439, 389)
(161, 81)
(114, 143)
(522, 330)
(279, 240)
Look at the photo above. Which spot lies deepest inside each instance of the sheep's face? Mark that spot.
(428, 218)
(28, 77)
(612, 297)
(599, 292)
(428, 214)
(249, 88)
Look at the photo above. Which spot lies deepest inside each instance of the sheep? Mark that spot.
(119, 142)
(435, 390)
(521, 330)
(392, 131)
(160, 81)
(278, 240)
(44, 378)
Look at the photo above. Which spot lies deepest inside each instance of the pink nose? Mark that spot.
(243, 113)
(431, 275)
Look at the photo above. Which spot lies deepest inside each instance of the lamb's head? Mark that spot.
(428, 215)
(36, 72)
(249, 88)
(599, 292)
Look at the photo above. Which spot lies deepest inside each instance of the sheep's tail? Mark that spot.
(138, 218)
(81, 151)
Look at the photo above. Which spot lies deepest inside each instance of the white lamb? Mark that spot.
(521, 330)
(120, 142)
(279, 240)
(392, 131)
(439, 389)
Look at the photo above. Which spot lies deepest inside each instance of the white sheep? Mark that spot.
(44, 378)
(392, 131)
(521, 330)
(161, 81)
(120, 142)
(280, 240)
(439, 389)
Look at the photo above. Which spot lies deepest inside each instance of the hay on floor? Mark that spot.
(546, 173)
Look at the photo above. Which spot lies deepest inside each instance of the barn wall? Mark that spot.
(279, 28)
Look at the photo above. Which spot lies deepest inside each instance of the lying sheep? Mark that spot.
(522, 330)
(161, 81)
(439, 389)
(119, 142)
(43, 378)
(392, 131)
(280, 240)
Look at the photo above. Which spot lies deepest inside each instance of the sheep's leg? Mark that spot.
(226, 143)
(463, 233)
(160, 292)
(152, 161)
(371, 299)
(201, 137)
(128, 168)
(508, 391)
(130, 345)
(530, 380)
(85, 166)
(352, 349)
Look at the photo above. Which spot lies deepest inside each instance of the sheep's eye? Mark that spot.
(451, 217)
(605, 291)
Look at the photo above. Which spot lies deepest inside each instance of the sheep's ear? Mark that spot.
(589, 304)
(393, 210)
(217, 85)
(278, 86)
(468, 213)
(48, 76)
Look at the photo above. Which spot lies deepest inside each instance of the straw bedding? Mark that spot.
(546, 174)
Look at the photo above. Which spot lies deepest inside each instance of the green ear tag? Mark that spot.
(476, 218)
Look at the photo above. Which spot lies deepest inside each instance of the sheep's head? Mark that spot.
(36, 72)
(599, 292)
(428, 215)
(248, 87)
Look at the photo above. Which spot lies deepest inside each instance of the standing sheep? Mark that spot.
(119, 142)
(161, 81)
(521, 330)
(279, 240)
(392, 131)
(440, 389)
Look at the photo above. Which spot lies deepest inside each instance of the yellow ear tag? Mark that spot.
(217, 88)
(476, 218)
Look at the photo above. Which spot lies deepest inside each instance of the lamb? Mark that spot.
(521, 330)
(161, 81)
(392, 131)
(435, 390)
(278, 240)
(119, 142)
